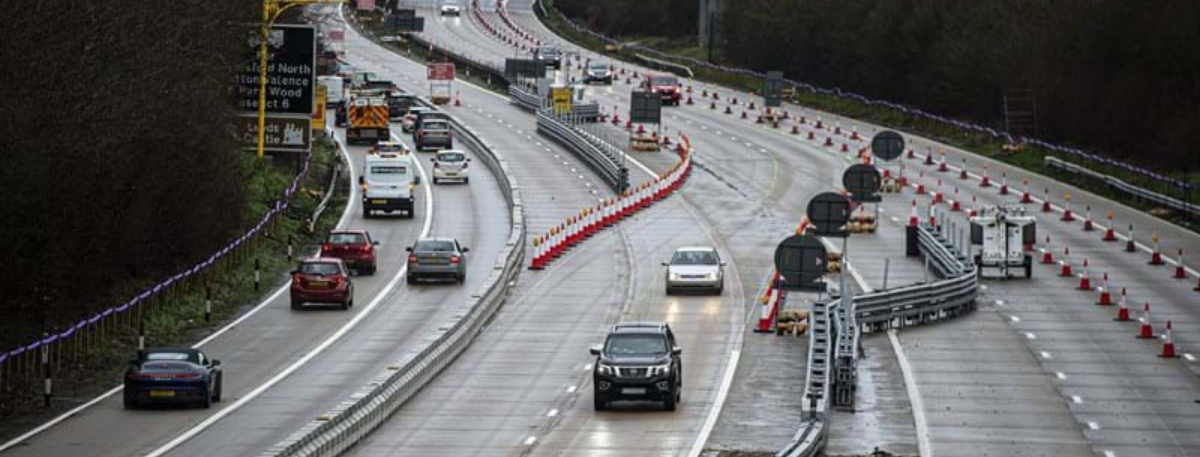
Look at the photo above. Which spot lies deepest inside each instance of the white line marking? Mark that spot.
(1189, 357)
(1076, 399)
(1015, 319)
(999, 302)
(571, 389)
(1110, 454)
(552, 413)
(1030, 335)
(587, 367)
(1093, 425)
(327, 343)
(914, 397)
(1060, 375)
(1046, 355)
(346, 212)
(529, 441)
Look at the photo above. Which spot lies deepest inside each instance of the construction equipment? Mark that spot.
(1003, 233)
(368, 119)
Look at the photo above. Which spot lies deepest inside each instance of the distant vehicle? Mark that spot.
(598, 72)
(638, 361)
(368, 119)
(322, 280)
(354, 247)
(433, 133)
(398, 104)
(360, 79)
(1001, 234)
(172, 376)
(450, 164)
(666, 86)
(340, 116)
(695, 268)
(410, 120)
(550, 55)
(335, 90)
(389, 180)
(451, 9)
(437, 258)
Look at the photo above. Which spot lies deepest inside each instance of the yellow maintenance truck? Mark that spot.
(368, 119)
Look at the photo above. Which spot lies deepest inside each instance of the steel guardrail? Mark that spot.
(354, 418)
(1118, 184)
(526, 97)
(661, 64)
(835, 332)
(606, 160)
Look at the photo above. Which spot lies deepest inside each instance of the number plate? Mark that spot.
(162, 393)
(318, 284)
(379, 202)
(633, 390)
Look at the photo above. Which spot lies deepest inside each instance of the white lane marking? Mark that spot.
(999, 302)
(270, 298)
(1046, 355)
(894, 219)
(1076, 399)
(1189, 357)
(572, 389)
(587, 367)
(914, 397)
(1110, 454)
(314, 352)
(1030, 335)
(1093, 425)
(1015, 319)
(552, 413)
(1060, 375)
(529, 441)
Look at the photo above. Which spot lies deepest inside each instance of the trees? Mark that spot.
(120, 159)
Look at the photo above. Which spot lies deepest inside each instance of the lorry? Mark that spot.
(389, 180)
(367, 118)
(1004, 235)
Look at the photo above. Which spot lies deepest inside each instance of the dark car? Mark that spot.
(550, 55)
(163, 376)
(398, 104)
(666, 86)
(340, 118)
(437, 258)
(638, 361)
(322, 280)
(433, 133)
(597, 72)
(354, 247)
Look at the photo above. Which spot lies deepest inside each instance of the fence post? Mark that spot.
(257, 275)
(207, 303)
(886, 263)
(141, 339)
(289, 248)
(46, 372)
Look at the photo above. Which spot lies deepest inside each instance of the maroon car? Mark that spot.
(666, 86)
(322, 280)
(354, 247)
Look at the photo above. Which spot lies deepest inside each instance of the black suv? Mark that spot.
(638, 361)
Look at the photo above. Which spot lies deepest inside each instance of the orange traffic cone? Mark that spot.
(1123, 310)
(1146, 331)
(913, 219)
(1066, 264)
(1105, 296)
(1168, 348)
(1180, 269)
(1085, 281)
(1047, 253)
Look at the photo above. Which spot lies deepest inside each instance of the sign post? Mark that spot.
(561, 98)
(801, 261)
(773, 89)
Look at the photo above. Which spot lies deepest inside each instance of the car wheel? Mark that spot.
(599, 404)
(669, 403)
(346, 304)
(462, 278)
(435, 180)
(130, 399)
(217, 389)
(371, 271)
(670, 291)
(412, 279)
(366, 213)
(466, 180)
(296, 304)
(206, 403)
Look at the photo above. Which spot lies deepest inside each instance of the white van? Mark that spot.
(335, 90)
(389, 180)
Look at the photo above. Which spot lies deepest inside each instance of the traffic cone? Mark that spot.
(1046, 202)
(629, 124)
(759, 119)
(716, 96)
(733, 101)
(942, 167)
(920, 188)
(837, 129)
(803, 120)
(955, 206)
(1105, 296)
(845, 148)
(811, 136)
(913, 219)
(1087, 219)
(616, 119)
(704, 93)
(712, 105)
(962, 172)
(1156, 256)
(1085, 281)
(910, 154)
(1180, 269)
(1168, 348)
(751, 107)
(821, 126)
(929, 158)
(985, 182)
(1130, 245)
(828, 141)
(1004, 183)
(728, 110)
(1110, 234)
(744, 115)
(538, 262)
(1047, 252)
(775, 124)
(641, 129)
(937, 198)
(457, 99)
(1066, 264)
(1067, 216)
(1025, 197)
(854, 134)
(795, 130)
(1146, 331)
(1123, 310)
(689, 100)
(974, 207)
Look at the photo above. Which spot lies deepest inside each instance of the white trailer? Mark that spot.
(1002, 235)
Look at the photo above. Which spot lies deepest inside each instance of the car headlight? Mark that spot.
(605, 369)
(711, 276)
(659, 370)
(674, 276)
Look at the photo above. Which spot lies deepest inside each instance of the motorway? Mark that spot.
(1036, 370)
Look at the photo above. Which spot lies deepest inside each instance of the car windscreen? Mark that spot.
(434, 246)
(598, 67)
(435, 125)
(664, 81)
(633, 344)
(167, 356)
(389, 173)
(347, 238)
(319, 268)
(694, 258)
(451, 157)
(158, 366)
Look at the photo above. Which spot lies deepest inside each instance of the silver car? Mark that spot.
(695, 268)
(437, 258)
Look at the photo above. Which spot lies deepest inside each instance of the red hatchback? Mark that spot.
(666, 86)
(354, 247)
(322, 280)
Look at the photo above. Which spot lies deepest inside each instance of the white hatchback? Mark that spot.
(695, 268)
(450, 164)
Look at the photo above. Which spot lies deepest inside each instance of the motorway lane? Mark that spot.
(252, 352)
(411, 314)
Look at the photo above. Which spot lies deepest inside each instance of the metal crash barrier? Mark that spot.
(833, 340)
(606, 160)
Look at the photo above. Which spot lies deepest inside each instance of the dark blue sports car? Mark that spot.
(172, 376)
